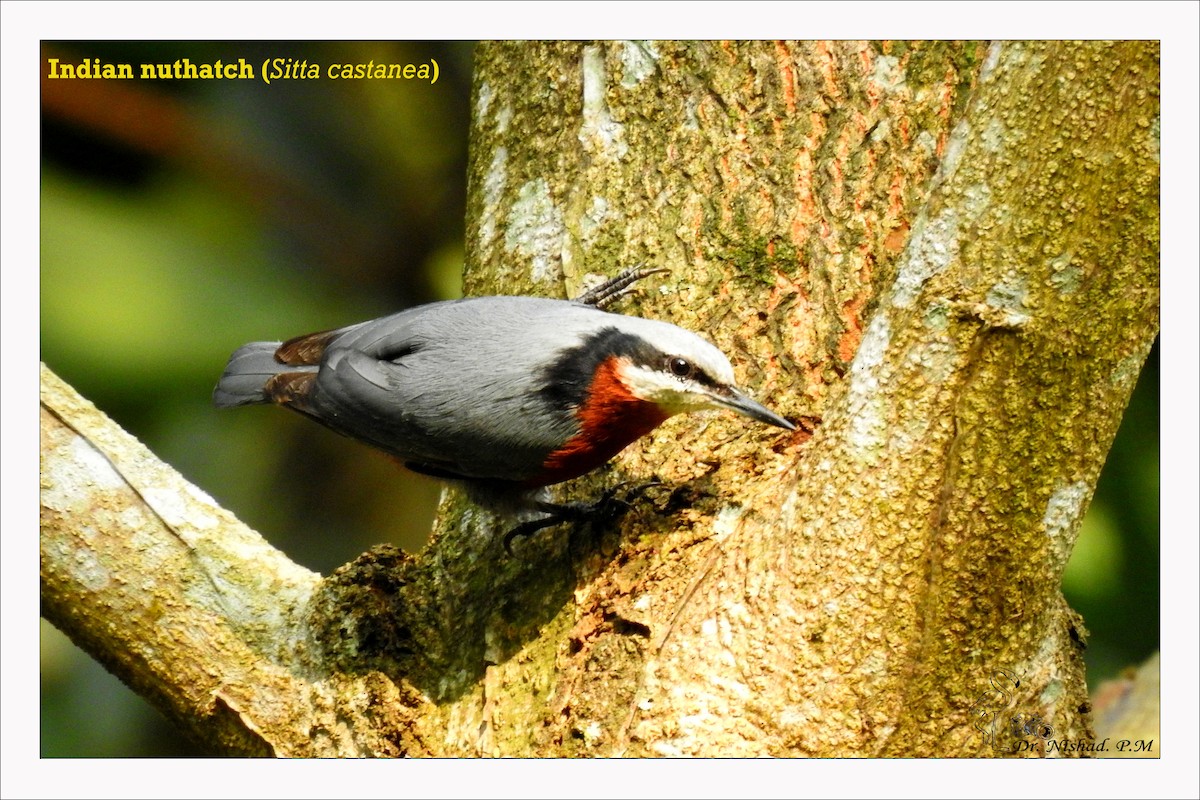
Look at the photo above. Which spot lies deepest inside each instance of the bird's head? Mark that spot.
(627, 375)
(678, 371)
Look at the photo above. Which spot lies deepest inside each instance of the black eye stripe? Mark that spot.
(566, 379)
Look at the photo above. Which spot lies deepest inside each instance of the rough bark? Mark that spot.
(942, 257)
(194, 611)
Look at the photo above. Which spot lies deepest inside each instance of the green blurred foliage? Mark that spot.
(1112, 578)
(186, 218)
(181, 219)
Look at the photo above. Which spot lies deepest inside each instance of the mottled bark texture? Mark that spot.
(941, 258)
(193, 610)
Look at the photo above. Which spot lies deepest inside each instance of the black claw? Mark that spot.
(616, 287)
(637, 491)
(529, 528)
(601, 513)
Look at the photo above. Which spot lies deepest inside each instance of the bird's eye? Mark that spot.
(680, 367)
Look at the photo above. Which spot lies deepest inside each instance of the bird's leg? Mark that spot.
(532, 526)
(603, 511)
(604, 294)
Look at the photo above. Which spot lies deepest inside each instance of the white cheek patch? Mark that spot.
(666, 391)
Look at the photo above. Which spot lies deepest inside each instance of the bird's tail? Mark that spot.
(245, 379)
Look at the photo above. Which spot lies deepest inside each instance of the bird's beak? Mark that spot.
(735, 400)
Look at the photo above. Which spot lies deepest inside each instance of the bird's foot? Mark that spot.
(599, 514)
(605, 294)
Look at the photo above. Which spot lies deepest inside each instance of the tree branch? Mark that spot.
(192, 609)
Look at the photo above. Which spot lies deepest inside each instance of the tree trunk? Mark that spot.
(941, 257)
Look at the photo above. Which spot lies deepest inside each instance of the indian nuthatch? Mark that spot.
(504, 394)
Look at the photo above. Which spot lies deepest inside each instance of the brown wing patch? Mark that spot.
(287, 387)
(304, 350)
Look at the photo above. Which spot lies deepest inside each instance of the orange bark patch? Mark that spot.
(787, 76)
(895, 239)
(852, 319)
(828, 69)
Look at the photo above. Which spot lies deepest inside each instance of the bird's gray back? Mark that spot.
(453, 386)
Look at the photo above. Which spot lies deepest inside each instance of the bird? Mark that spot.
(505, 395)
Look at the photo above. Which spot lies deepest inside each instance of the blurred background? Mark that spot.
(181, 219)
